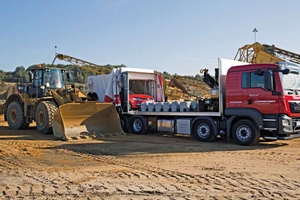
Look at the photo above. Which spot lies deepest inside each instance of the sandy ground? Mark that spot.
(152, 166)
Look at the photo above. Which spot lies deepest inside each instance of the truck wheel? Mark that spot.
(15, 116)
(44, 116)
(138, 124)
(245, 133)
(203, 130)
(124, 123)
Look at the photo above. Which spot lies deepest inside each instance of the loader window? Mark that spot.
(37, 79)
(256, 81)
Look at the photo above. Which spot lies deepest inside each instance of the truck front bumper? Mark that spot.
(288, 127)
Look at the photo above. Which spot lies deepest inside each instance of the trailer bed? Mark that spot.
(182, 114)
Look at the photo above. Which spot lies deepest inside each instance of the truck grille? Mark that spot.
(295, 107)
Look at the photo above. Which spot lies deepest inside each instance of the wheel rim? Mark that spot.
(41, 118)
(203, 130)
(243, 133)
(137, 125)
(13, 116)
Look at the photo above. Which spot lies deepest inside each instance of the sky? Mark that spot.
(176, 36)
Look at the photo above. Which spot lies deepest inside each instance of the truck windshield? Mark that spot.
(290, 81)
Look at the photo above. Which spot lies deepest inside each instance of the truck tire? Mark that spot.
(245, 133)
(124, 123)
(203, 130)
(44, 116)
(138, 124)
(15, 116)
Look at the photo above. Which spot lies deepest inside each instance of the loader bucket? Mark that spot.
(86, 120)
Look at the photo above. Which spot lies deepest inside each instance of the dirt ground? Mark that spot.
(152, 166)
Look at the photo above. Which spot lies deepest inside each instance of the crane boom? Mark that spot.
(287, 55)
(262, 53)
(82, 64)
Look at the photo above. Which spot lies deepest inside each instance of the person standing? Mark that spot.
(92, 96)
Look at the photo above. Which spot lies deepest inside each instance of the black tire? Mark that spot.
(44, 116)
(125, 123)
(203, 130)
(245, 133)
(138, 125)
(15, 116)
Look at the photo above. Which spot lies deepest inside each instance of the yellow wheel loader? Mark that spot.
(57, 107)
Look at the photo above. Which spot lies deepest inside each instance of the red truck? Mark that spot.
(248, 101)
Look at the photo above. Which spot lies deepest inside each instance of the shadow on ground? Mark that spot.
(26, 134)
(157, 143)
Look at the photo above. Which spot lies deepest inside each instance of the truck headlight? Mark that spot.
(285, 122)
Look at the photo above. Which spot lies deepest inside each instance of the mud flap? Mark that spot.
(86, 120)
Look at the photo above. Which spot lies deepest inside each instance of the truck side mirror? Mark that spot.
(268, 80)
(285, 71)
(259, 72)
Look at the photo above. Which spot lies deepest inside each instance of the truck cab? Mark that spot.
(269, 94)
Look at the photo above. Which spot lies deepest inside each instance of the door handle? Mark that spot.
(249, 101)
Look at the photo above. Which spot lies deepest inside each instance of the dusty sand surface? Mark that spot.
(152, 166)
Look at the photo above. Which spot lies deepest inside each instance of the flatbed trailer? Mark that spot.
(249, 101)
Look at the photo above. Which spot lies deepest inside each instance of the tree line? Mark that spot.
(79, 73)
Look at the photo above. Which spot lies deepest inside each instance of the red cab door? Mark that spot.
(259, 98)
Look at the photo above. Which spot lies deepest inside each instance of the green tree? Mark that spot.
(21, 72)
(166, 75)
(2, 75)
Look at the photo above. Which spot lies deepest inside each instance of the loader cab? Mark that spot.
(45, 78)
(53, 78)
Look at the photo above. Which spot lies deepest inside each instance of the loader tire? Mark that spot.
(15, 116)
(44, 116)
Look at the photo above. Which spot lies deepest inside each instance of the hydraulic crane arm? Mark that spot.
(262, 53)
(82, 64)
